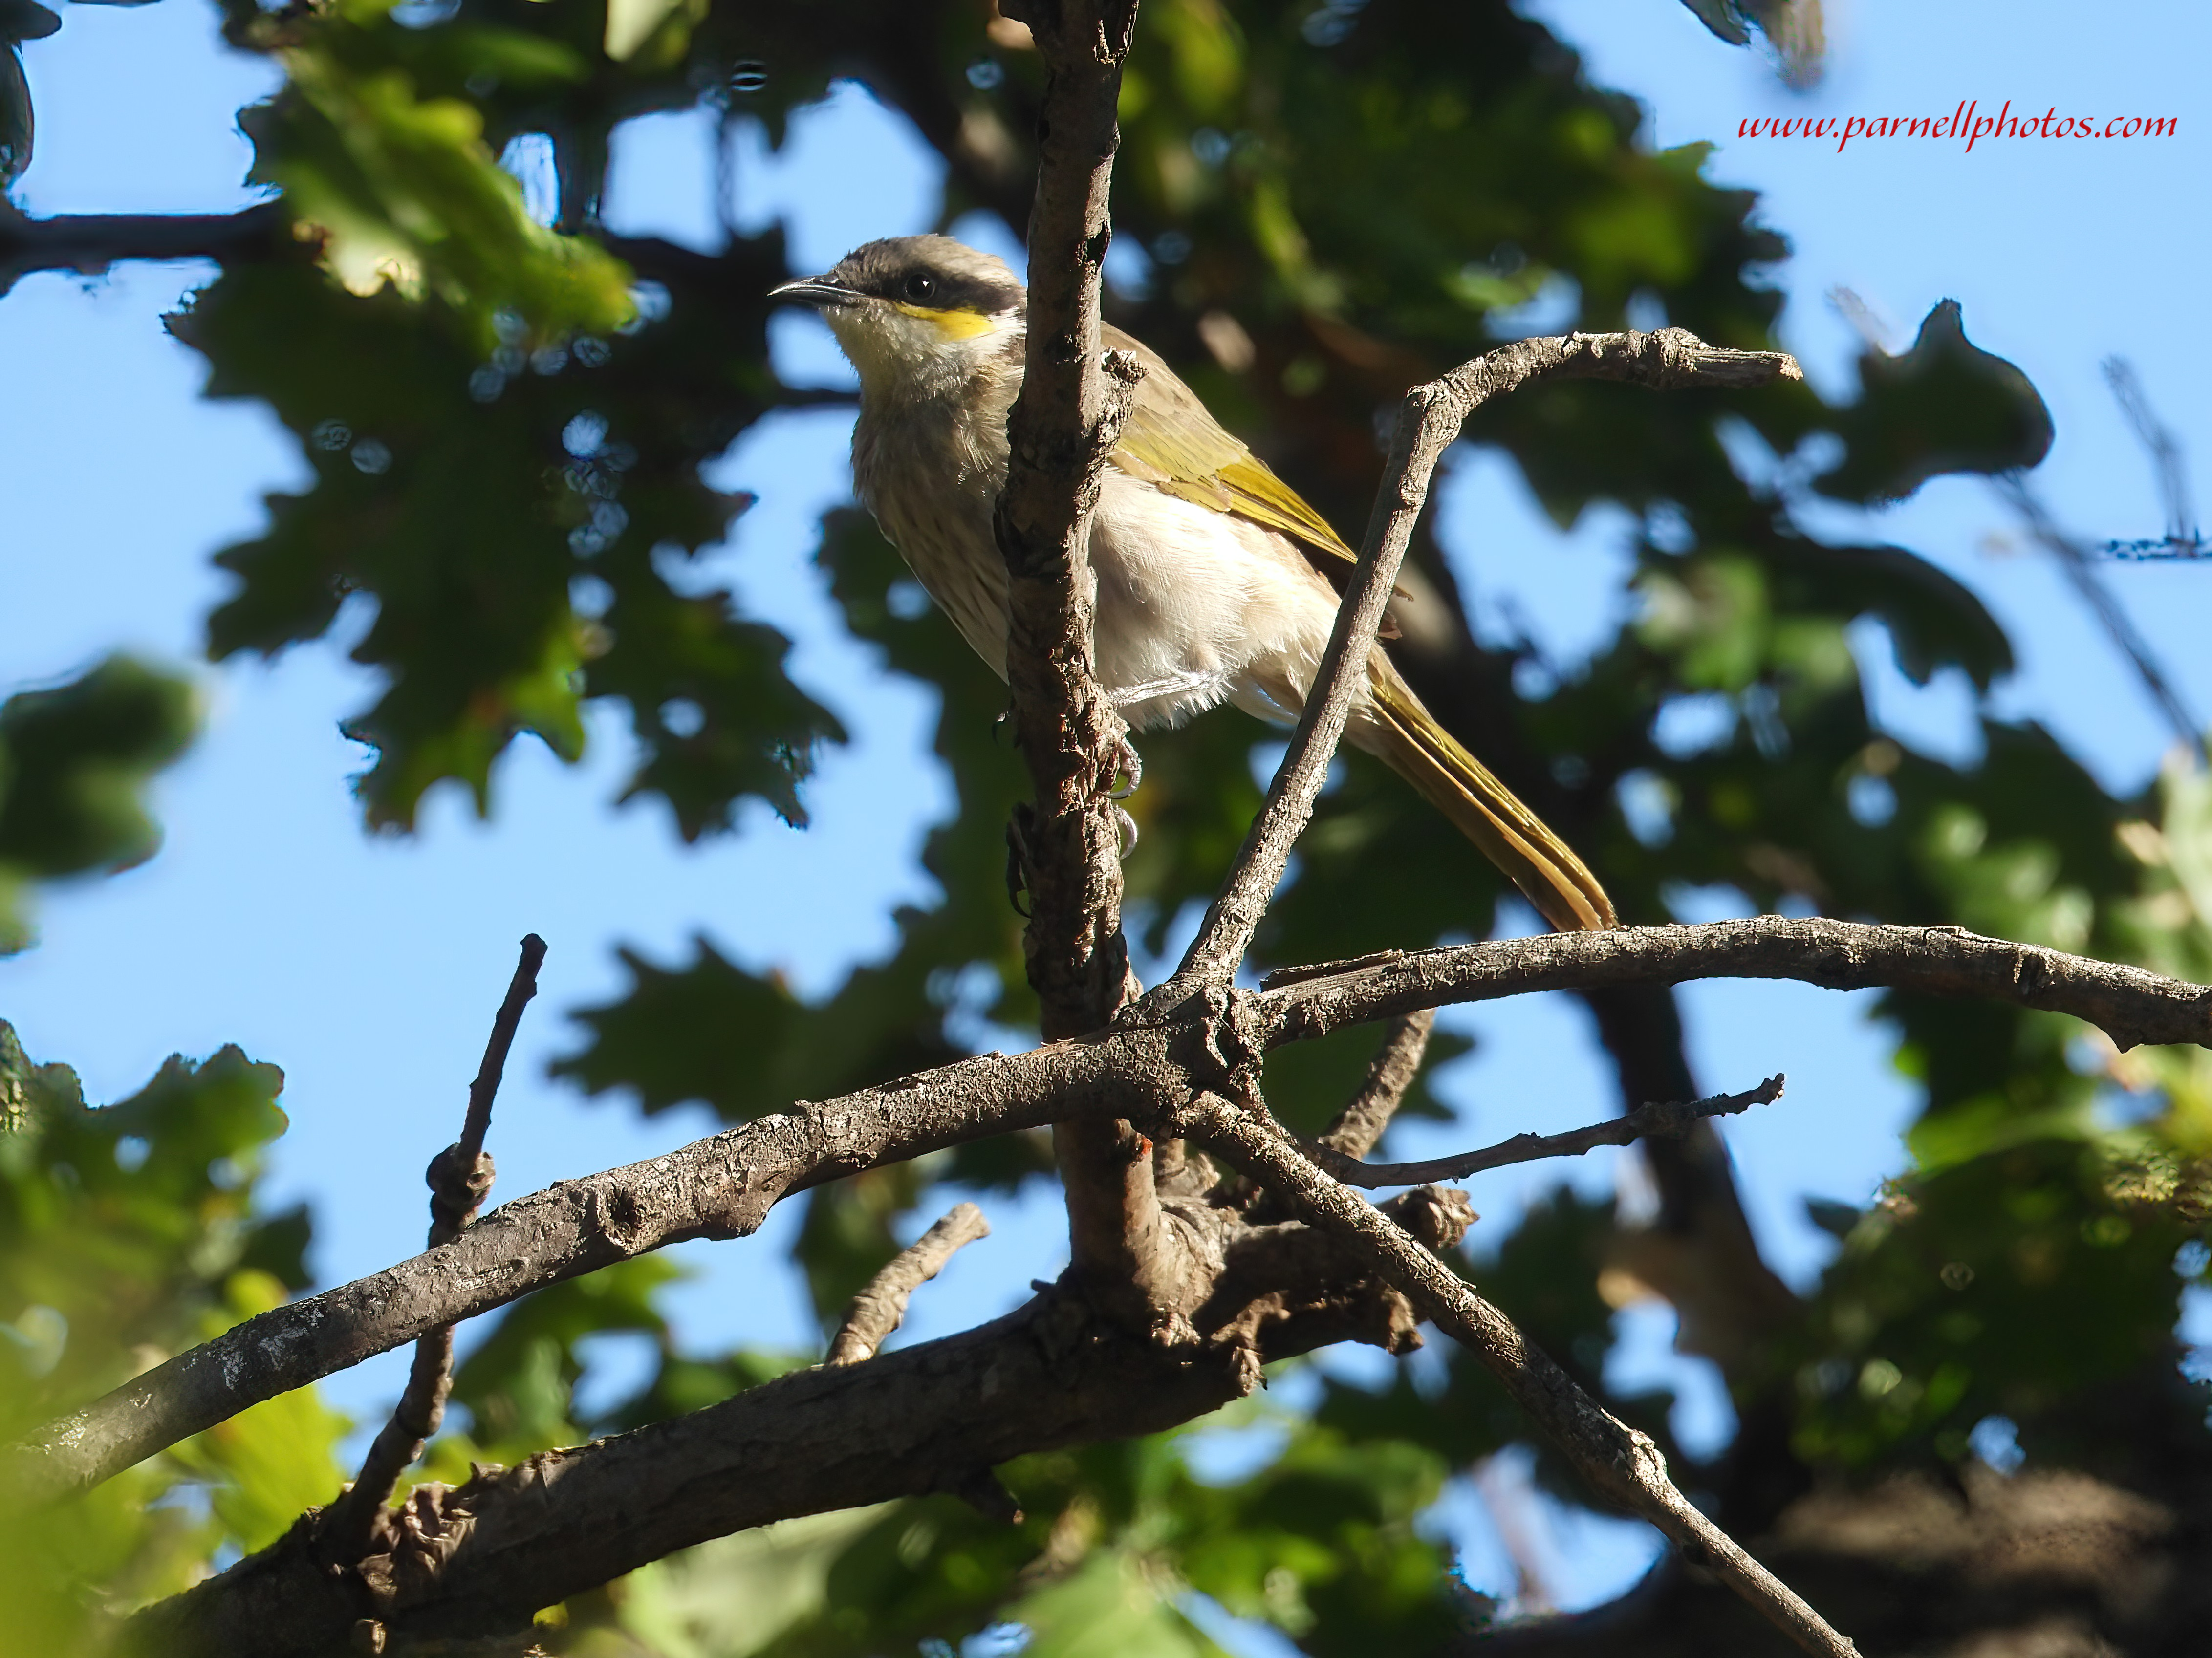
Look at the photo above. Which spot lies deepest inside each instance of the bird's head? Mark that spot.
(917, 314)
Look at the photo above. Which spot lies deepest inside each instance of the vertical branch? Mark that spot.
(459, 1178)
(1063, 425)
(1072, 404)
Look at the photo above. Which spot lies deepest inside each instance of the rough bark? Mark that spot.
(724, 1186)
(1072, 404)
(1357, 1128)
(880, 1308)
(2129, 1004)
(1620, 1465)
(719, 1187)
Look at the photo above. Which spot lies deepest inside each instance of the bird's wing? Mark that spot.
(1171, 442)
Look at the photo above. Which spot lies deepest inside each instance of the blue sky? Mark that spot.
(368, 968)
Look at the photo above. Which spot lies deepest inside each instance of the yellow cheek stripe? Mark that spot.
(965, 324)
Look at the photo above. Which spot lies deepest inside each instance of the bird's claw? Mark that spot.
(1017, 859)
(1128, 827)
(1127, 764)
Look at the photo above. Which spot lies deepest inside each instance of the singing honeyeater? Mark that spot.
(1205, 560)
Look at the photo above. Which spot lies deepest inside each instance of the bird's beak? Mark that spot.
(816, 291)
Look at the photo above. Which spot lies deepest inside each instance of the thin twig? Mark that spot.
(459, 1178)
(1428, 423)
(1359, 1126)
(485, 1088)
(880, 1308)
(1663, 1121)
(2162, 447)
(1621, 1464)
(2074, 561)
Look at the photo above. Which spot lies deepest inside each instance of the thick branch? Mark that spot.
(2129, 1005)
(928, 1418)
(460, 1178)
(935, 1417)
(1072, 404)
(1428, 424)
(720, 1188)
(1063, 425)
(89, 243)
(1621, 1464)
(880, 1308)
(1660, 1120)
(723, 1187)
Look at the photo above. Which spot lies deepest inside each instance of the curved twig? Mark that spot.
(2127, 1003)
(1359, 1126)
(461, 1179)
(1428, 423)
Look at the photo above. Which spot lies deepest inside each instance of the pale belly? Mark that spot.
(1195, 607)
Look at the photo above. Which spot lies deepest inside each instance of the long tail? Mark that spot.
(1405, 735)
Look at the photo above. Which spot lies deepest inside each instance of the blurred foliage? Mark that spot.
(1320, 1539)
(1942, 406)
(128, 1233)
(506, 422)
(73, 762)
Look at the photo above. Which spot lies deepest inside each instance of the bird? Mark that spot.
(1208, 566)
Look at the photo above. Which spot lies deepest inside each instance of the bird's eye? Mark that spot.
(920, 285)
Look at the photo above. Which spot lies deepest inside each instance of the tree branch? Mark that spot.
(478, 1560)
(1620, 1465)
(459, 1178)
(720, 1188)
(880, 1308)
(89, 243)
(723, 1187)
(1660, 1120)
(1429, 422)
(1063, 425)
(1359, 1126)
(1072, 404)
(2129, 1005)
(484, 1556)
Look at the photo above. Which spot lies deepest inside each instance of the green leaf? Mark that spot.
(1108, 1606)
(466, 502)
(128, 1233)
(74, 765)
(401, 191)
